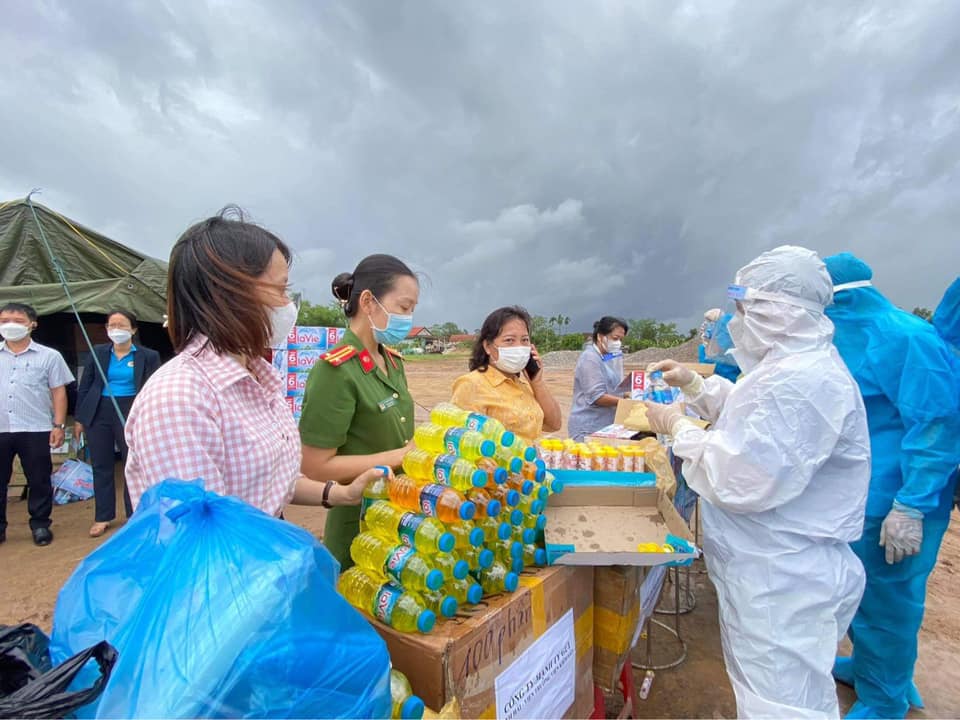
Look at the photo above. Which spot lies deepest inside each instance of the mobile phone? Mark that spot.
(532, 368)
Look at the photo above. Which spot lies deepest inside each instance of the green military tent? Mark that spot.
(101, 273)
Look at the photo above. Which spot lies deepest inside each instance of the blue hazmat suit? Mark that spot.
(909, 386)
(723, 363)
(946, 320)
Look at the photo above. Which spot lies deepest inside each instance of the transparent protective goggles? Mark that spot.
(851, 285)
(740, 293)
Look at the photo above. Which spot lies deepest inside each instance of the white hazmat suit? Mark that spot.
(784, 473)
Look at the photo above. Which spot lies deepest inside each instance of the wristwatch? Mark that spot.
(326, 494)
(59, 426)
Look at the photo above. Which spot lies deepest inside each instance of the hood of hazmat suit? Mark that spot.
(783, 474)
(908, 378)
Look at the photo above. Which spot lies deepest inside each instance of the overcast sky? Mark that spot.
(579, 157)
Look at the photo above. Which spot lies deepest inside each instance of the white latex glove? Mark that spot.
(901, 533)
(713, 314)
(676, 375)
(663, 418)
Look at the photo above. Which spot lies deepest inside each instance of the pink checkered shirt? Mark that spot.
(204, 416)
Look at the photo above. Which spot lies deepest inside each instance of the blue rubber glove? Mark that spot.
(901, 533)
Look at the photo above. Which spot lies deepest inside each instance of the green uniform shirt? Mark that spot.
(358, 413)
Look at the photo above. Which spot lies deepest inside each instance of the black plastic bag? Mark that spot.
(30, 688)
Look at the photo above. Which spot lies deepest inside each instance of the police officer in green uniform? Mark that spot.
(357, 411)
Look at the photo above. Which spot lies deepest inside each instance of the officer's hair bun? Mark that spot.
(342, 287)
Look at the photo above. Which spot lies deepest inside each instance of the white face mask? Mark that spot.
(513, 359)
(13, 332)
(282, 320)
(120, 337)
(613, 346)
(748, 349)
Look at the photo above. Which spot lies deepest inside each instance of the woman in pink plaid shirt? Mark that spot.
(217, 411)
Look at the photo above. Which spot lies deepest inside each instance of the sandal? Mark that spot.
(98, 529)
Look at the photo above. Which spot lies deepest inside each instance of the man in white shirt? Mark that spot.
(33, 412)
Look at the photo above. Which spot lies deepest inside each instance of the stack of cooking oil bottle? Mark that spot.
(461, 522)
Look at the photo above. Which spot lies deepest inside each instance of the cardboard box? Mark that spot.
(527, 654)
(595, 525)
(616, 612)
(624, 408)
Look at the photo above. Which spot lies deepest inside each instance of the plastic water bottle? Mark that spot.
(506, 459)
(466, 535)
(449, 415)
(487, 504)
(451, 567)
(441, 603)
(533, 471)
(497, 579)
(399, 563)
(406, 705)
(375, 491)
(507, 551)
(496, 475)
(520, 484)
(536, 523)
(524, 535)
(477, 558)
(466, 591)
(660, 391)
(431, 499)
(540, 491)
(390, 604)
(508, 497)
(458, 441)
(449, 470)
(426, 535)
(530, 506)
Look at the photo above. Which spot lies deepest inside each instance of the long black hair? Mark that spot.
(491, 328)
(376, 273)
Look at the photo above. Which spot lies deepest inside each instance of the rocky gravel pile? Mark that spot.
(687, 352)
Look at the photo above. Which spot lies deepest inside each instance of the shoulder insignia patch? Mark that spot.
(338, 356)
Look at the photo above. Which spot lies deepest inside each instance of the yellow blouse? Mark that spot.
(506, 398)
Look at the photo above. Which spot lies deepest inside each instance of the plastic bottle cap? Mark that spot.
(529, 535)
(504, 532)
(513, 498)
(557, 486)
(540, 475)
(516, 465)
(479, 478)
(467, 510)
(460, 569)
(516, 517)
(541, 522)
(540, 464)
(507, 439)
(536, 507)
(426, 620)
(412, 708)
(485, 559)
(517, 565)
(446, 542)
(500, 476)
(434, 580)
(540, 557)
(510, 582)
(542, 492)
(493, 508)
(477, 537)
(474, 594)
(530, 453)
(516, 550)
(488, 448)
(527, 487)
(448, 608)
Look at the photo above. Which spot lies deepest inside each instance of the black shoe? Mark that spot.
(3, 536)
(42, 536)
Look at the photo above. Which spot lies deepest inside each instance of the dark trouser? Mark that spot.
(33, 449)
(105, 432)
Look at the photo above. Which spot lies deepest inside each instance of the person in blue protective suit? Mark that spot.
(716, 345)
(905, 373)
(946, 320)
(783, 474)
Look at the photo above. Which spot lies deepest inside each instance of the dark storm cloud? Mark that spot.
(574, 157)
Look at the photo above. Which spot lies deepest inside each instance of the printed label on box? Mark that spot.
(309, 338)
(638, 386)
(541, 682)
(302, 360)
(296, 383)
(334, 335)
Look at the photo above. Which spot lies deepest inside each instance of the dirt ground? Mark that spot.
(30, 578)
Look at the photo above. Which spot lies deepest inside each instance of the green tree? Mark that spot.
(924, 313)
(445, 330)
(329, 315)
(542, 333)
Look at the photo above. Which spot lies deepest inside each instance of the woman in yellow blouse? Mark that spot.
(506, 380)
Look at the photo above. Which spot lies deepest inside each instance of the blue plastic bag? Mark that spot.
(218, 610)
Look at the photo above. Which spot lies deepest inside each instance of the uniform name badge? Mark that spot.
(387, 403)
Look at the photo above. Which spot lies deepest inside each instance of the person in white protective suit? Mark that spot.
(783, 474)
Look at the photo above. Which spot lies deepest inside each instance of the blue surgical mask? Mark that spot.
(397, 329)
